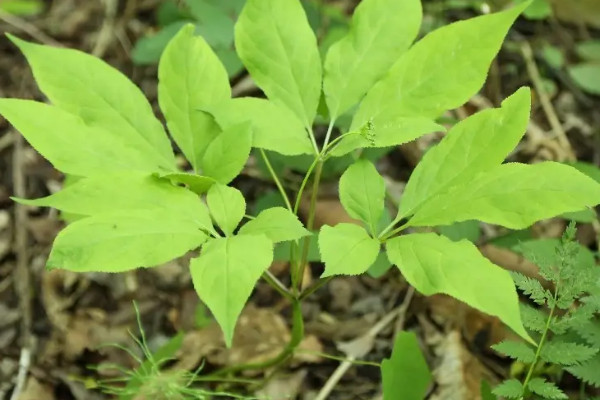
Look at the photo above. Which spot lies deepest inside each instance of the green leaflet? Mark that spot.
(346, 249)
(120, 242)
(225, 274)
(380, 32)
(227, 206)
(278, 224)
(362, 193)
(196, 183)
(512, 195)
(274, 127)
(434, 264)
(191, 78)
(474, 145)
(564, 353)
(70, 144)
(279, 49)
(124, 192)
(227, 154)
(547, 390)
(441, 71)
(510, 388)
(405, 375)
(392, 131)
(518, 350)
(101, 95)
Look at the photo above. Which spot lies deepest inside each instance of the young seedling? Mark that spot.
(136, 209)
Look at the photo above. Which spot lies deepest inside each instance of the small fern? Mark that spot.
(569, 335)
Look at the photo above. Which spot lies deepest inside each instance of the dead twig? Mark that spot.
(28, 28)
(106, 35)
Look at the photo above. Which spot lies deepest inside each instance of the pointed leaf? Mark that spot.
(196, 183)
(279, 49)
(472, 146)
(123, 192)
(517, 350)
(274, 127)
(588, 371)
(346, 249)
(227, 206)
(510, 388)
(512, 195)
(563, 353)
(405, 375)
(70, 144)
(277, 223)
(441, 71)
(119, 242)
(227, 154)
(435, 264)
(362, 193)
(365, 53)
(101, 95)
(191, 78)
(225, 274)
(547, 390)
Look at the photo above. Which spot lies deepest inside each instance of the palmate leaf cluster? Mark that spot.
(566, 319)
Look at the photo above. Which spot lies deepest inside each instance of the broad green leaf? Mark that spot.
(586, 76)
(278, 224)
(227, 154)
(476, 144)
(120, 242)
(274, 127)
(380, 32)
(123, 192)
(214, 23)
(70, 144)
(196, 183)
(405, 375)
(279, 49)
(225, 274)
(387, 132)
(101, 95)
(227, 206)
(589, 50)
(512, 195)
(346, 249)
(590, 170)
(148, 49)
(191, 79)
(362, 193)
(380, 267)
(441, 71)
(469, 230)
(22, 7)
(435, 264)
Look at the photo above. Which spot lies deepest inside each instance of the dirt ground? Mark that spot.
(54, 325)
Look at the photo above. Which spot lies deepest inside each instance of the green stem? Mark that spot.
(328, 135)
(277, 285)
(303, 184)
(276, 179)
(540, 345)
(314, 287)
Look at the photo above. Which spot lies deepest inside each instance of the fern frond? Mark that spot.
(564, 353)
(531, 287)
(510, 389)
(533, 318)
(588, 372)
(590, 332)
(518, 350)
(547, 390)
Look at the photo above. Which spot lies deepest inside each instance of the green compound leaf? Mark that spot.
(405, 375)
(362, 193)
(191, 79)
(512, 195)
(227, 206)
(474, 145)
(124, 192)
(274, 127)
(510, 388)
(279, 49)
(278, 224)
(564, 353)
(196, 183)
(225, 274)
(547, 390)
(588, 371)
(120, 242)
(346, 249)
(227, 154)
(440, 72)
(435, 264)
(70, 144)
(517, 350)
(101, 95)
(365, 53)
(388, 132)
